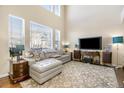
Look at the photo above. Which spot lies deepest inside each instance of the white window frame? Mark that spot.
(23, 27)
(58, 13)
(51, 39)
(52, 8)
(59, 41)
(48, 7)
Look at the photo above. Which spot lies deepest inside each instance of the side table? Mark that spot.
(19, 70)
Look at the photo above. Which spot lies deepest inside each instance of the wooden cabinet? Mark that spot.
(77, 55)
(94, 57)
(19, 70)
(91, 57)
(107, 57)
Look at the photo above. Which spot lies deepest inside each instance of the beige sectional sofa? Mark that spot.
(35, 55)
(45, 64)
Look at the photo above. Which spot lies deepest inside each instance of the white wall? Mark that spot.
(29, 13)
(92, 21)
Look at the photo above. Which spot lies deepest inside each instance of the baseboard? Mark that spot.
(4, 75)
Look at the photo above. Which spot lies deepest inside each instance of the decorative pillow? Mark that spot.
(48, 55)
(36, 56)
(42, 56)
(28, 54)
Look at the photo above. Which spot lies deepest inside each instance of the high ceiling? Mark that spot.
(94, 15)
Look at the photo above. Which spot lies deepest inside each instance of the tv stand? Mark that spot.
(98, 57)
(93, 57)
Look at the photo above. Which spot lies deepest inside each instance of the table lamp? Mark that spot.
(66, 46)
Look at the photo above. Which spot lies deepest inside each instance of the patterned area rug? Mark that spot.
(79, 75)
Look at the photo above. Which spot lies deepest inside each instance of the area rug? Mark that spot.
(78, 75)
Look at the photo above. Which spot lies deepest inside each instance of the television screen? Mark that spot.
(94, 43)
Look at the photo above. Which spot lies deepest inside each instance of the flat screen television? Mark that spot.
(93, 43)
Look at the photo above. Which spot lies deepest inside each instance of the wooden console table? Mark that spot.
(101, 57)
(95, 56)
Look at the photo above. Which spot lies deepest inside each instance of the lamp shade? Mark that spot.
(20, 47)
(66, 46)
(118, 39)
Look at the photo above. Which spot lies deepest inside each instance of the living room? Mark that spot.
(61, 27)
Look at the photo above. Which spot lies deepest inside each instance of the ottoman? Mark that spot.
(46, 69)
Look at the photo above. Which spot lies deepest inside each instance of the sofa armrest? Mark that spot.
(67, 53)
(30, 60)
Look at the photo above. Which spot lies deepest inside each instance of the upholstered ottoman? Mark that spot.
(45, 70)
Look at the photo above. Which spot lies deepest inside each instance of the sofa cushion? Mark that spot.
(60, 52)
(55, 56)
(45, 65)
(48, 55)
(50, 52)
(63, 57)
(46, 73)
(42, 77)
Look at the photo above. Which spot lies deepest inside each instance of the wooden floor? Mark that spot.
(120, 77)
(5, 82)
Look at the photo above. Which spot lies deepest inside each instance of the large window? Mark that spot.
(48, 7)
(57, 39)
(57, 10)
(16, 31)
(40, 36)
(53, 8)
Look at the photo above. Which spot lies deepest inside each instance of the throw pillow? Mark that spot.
(28, 54)
(37, 56)
(42, 56)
